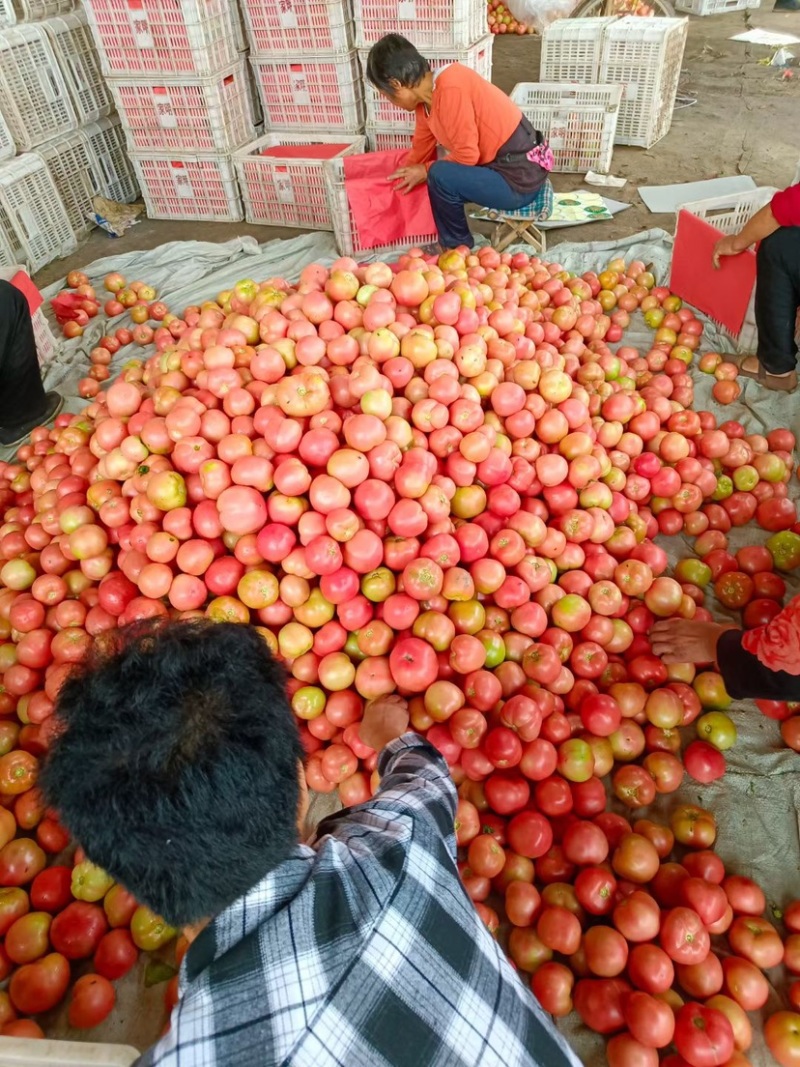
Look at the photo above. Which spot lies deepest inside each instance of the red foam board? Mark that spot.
(724, 294)
(22, 282)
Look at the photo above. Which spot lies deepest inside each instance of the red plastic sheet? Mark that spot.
(381, 214)
(724, 294)
(23, 282)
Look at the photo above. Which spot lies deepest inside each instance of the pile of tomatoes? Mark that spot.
(435, 479)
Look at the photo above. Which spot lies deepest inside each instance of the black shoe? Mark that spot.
(12, 436)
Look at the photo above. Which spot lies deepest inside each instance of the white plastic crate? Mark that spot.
(7, 147)
(579, 121)
(24, 1052)
(289, 191)
(9, 243)
(644, 56)
(36, 10)
(33, 93)
(202, 188)
(317, 92)
(112, 171)
(730, 214)
(295, 27)
(715, 7)
(7, 14)
(69, 162)
(177, 115)
(34, 209)
(381, 112)
(428, 23)
(79, 60)
(387, 139)
(163, 37)
(571, 50)
(344, 228)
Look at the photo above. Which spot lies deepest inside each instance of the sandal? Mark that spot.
(782, 383)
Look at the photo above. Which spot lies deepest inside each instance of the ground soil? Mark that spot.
(746, 121)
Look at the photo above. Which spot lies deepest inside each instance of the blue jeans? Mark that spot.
(452, 185)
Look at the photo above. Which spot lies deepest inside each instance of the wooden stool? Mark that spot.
(520, 225)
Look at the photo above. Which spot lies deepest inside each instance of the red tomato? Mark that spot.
(76, 931)
(703, 1036)
(38, 987)
(115, 954)
(683, 936)
(51, 889)
(93, 997)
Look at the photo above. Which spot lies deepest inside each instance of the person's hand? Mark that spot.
(385, 718)
(726, 246)
(686, 641)
(408, 178)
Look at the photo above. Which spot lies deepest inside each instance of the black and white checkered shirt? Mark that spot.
(361, 950)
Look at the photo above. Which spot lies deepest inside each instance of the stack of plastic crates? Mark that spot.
(715, 7)
(579, 122)
(645, 57)
(282, 179)
(571, 50)
(182, 89)
(34, 97)
(36, 219)
(7, 147)
(390, 127)
(78, 58)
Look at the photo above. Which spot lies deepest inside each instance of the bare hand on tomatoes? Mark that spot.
(684, 641)
(384, 720)
(409, 178)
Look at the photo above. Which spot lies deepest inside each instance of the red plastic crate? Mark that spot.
(321, 93)
(202, 188)
(196, 37)
(212, 115)
(282, 191)
(297, 27)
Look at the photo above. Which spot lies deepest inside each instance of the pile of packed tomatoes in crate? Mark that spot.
(436, 479)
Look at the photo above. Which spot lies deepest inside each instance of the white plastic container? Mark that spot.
(37, 10)
(428, 23)
(344, 228)
(381, 112)
(579, 121)
(311, 93)
(730, 214)
(190, 37)
(213, 115)
(715, 7)
(289, 191)
(297, 27)
(644, 56)
(8, 241)
(571, 50)
(33, 91)
(21, 1052)
(69, 162)
(7, 147)
(112, 170)
(80, 62)
(7, 14)
(201, 188)
(37, 217)
(387, 138)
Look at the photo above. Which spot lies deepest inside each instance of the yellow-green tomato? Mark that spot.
(718, 729)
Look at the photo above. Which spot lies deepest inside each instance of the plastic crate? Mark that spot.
(729, 214)
(7, 14)
(34, 209)
(70, 165)
(7, 147)
(294, 27)
(579, 121)
(387, 139)
(163, 37)
(79, 60)
(428, 23)
(36, 10)
(201, 188)
(318, 92)
(381, 112)
(33, 92)
(571, 50)
(212, 115)
(288, 192)
(9, 243)
(23, 1052)
(644, 56)
(112, 171)
(344, 229)
(715, 7)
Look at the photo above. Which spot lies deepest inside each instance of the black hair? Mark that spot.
(176, 764)
(395, 59)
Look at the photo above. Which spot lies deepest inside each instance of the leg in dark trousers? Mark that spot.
(23, 401)
(452, 185)
(777, 299)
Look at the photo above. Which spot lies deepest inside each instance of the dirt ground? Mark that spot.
(746, 121)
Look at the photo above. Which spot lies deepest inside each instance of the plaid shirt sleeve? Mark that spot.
(361, 951)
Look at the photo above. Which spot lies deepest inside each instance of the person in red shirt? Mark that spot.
(23, 400)
(494, 156)
(777, 228)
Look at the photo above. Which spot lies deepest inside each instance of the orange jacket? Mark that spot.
(469, 117)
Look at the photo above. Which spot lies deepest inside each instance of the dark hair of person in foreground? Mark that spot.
(177, 765)
(393, 62)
